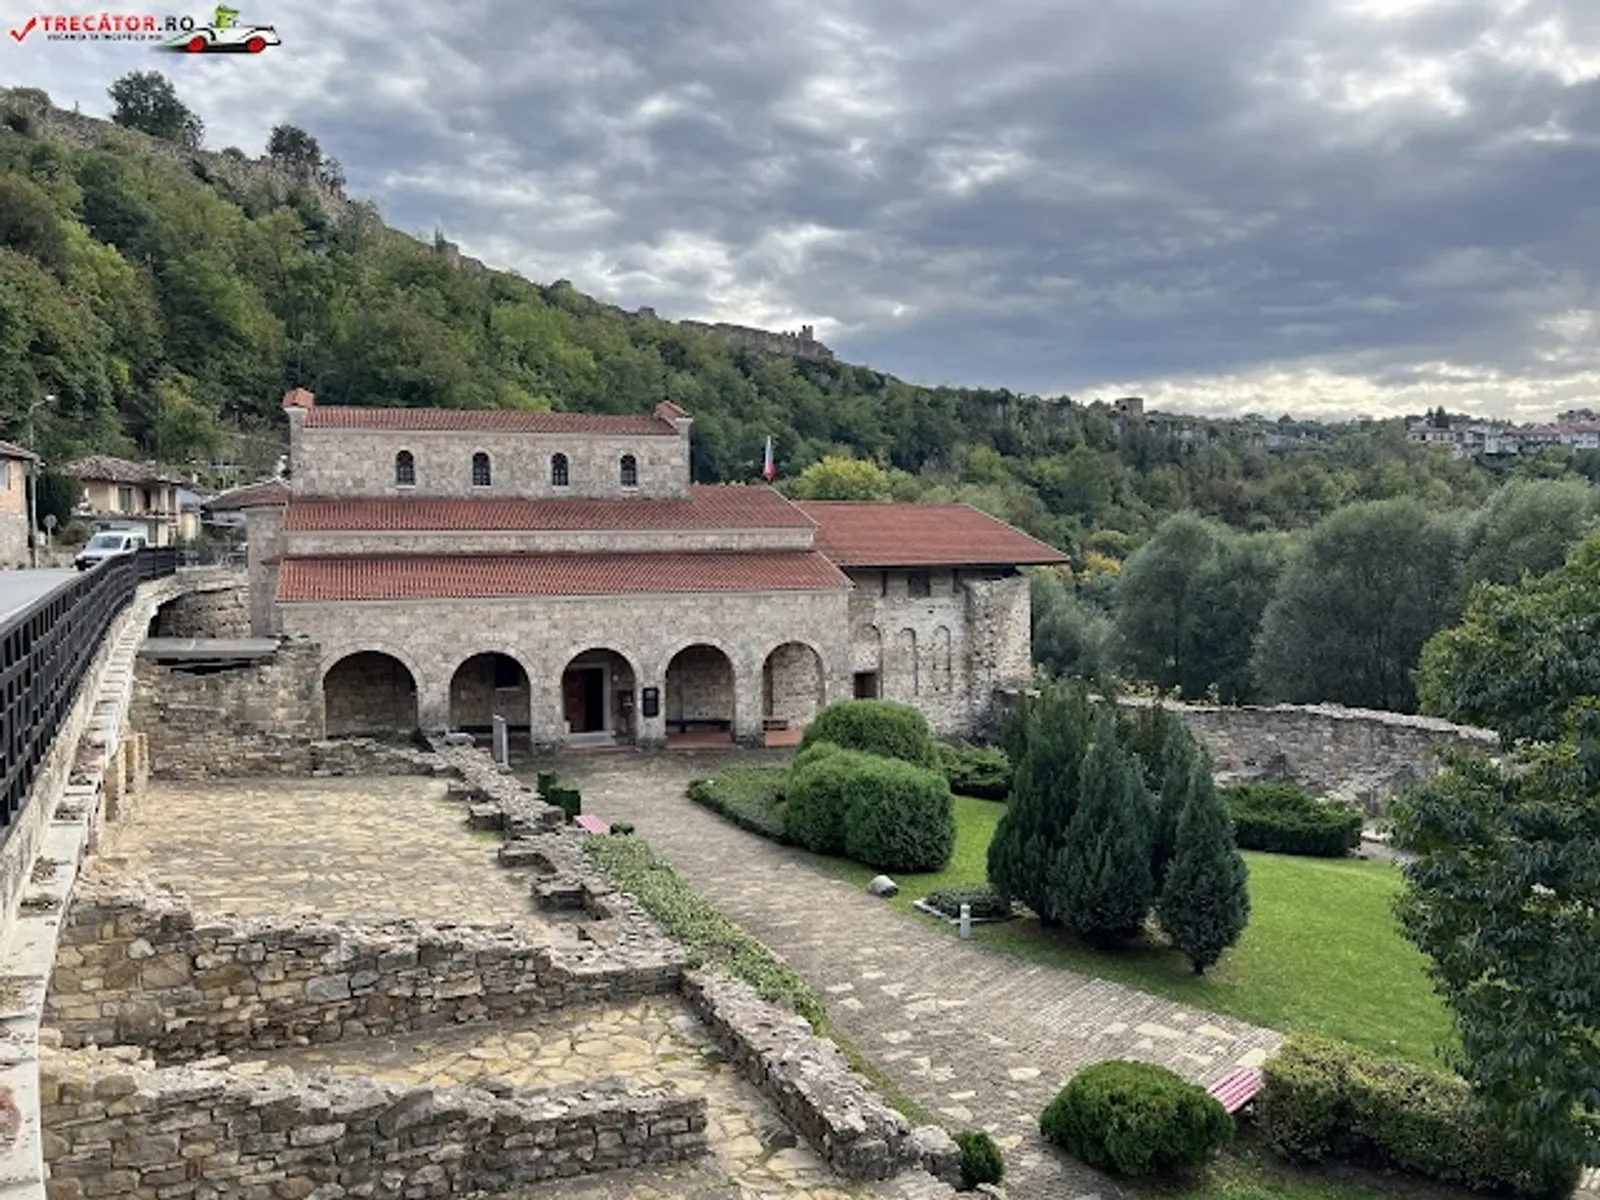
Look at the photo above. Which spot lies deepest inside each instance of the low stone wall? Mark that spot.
(115, 1127)
(135, 967)
(809, 1081)
(223, 612)
(1354, 754)
(256, 718)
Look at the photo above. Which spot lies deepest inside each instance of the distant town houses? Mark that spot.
(1473, 437)
(120, 494)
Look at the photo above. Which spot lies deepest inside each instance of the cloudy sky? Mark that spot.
(1308, 206)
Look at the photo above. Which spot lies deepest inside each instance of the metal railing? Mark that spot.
(45, 650)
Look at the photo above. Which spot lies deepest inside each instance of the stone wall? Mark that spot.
(218, 613)
(13, 539)
(1354, 754)
(115, 1127)
(136, 967)
(360, 462)
(432, 638)
(263, 526)
(306, 544)
(792, 687)
(801, 344)
(255, 718)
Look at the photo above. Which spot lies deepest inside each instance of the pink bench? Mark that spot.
(590, 823)
(1237, 1088)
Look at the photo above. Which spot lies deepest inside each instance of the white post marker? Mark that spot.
(502, 741)
(966, 921)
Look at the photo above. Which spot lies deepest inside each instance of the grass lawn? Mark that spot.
(1322, 953)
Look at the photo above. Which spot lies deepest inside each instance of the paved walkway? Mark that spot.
(982, 1038)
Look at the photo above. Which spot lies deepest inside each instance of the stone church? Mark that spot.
(561, 570)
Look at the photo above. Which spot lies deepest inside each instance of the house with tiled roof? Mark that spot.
(561, 570)
(121, 494)
(15, 465)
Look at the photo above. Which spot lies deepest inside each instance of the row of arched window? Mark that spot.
(405, 470)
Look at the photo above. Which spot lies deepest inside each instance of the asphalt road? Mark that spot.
(18, 589)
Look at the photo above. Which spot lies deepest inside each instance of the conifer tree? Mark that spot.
(1184, 764)
(1100, 882)
(1205, 902)
(1043, 797)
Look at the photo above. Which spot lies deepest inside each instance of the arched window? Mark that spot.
(405, 469)
(480, 470)
(558, 471)
(630, 471)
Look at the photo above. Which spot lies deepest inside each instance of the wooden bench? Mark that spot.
(1237, 1088)
(590, 823)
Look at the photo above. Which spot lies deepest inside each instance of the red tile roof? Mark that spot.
(98, 468)
(252, 495)
(856, 534)
(486, 420)
(708, 507)
(482, 576)
(12, 450)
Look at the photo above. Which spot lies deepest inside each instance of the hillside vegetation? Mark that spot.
(167, 296)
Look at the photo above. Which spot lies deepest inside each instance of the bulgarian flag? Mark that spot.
(769, 468)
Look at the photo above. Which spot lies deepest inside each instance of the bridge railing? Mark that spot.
(44, 651)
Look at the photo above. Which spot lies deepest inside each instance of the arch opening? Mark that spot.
(487, 685)
(791, 692)
(700, 704)
(369, 694)
(599, 700)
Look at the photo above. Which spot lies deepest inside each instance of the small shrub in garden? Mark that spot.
(1321, 1100)
(1283, 818)
(983, 772)
(751, 797)
(1136, 1118)
(898, 817)
(884, 727)
(981, 1161)
(820, 790)
(622, 829)
(986, 903)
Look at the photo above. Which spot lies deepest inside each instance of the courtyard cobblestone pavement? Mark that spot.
(359, 849)
(980, 1038)
(651, 1042)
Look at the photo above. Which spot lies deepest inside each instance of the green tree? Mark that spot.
(1204, 902)
(1504, 899)
(1528, 525)
(294, 148)
(1071, 639)
(1053, 738)
(1170, 761)
(1355, 604)
(1523, 652)
(29, 225)
(147, 101)
(1100, 885)
(58, 495)
(840, 478)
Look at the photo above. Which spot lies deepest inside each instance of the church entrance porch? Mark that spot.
(700, 698)
(486, 686)
(791, 692)
(598, 700)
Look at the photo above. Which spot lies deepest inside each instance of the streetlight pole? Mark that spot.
(33, 485)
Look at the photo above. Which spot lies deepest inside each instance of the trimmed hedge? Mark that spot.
(899, 817)
(821, 787)
(751, 797)
(1284, 818)
(983, 772)
(884, 727)
(1321, 1100)
(986, 903)
(981, 1161)
(1135, 1118)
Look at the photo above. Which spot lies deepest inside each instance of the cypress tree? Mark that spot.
(1043, 797)
(1100, 880)
(1183, 764)
(1205, 903)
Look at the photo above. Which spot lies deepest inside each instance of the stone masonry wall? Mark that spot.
(253, 719)
(136, 967)
(360, 462)
(433, 638)
(223, 613)
(116, 1128)
(13, 539)
(1354, 754)
(544, 541)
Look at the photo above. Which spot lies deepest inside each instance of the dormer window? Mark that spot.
(405, 469)
(481, 476)
(559, 476)
(630, 471)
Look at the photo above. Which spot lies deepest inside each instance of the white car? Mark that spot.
(108, 543)
(235, 39)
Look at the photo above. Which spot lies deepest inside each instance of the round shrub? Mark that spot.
(984, 902)
(1135, 1118)
(822, 786)
(980, 1159)
(899, 817)
(884, 727)
(810, 753)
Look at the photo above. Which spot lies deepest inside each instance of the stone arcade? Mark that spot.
(561, 570)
